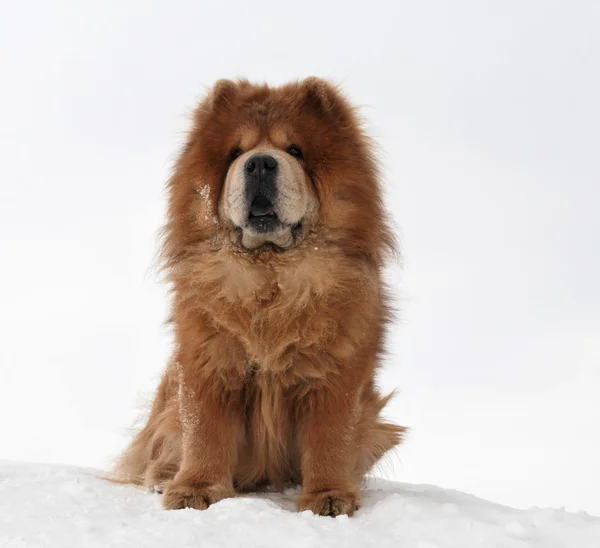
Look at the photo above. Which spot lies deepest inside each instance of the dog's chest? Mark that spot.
(279, 315)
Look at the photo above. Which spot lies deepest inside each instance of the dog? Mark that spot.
(274, 245)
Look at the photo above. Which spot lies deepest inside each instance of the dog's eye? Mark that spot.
(295, 151)
(235, 153)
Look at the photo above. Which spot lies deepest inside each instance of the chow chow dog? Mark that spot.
(275, 240)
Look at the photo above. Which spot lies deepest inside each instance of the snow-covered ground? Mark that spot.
(56, 506)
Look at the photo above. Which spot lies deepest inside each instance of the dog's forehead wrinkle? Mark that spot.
(248, 137)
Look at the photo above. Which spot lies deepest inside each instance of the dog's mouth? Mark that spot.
(264, 229)
(262, 217)
(264, 226)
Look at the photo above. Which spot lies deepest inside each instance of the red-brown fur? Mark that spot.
(272, 380)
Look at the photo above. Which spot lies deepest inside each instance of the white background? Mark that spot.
(488, 118)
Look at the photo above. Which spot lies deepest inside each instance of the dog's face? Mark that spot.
(269, 167)
(267, 196)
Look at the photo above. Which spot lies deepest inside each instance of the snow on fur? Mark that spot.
(60, 506)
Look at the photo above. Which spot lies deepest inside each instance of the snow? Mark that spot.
(44, 505)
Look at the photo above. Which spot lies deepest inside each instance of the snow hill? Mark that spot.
(60, 506)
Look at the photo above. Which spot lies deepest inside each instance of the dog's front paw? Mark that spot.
(332, 502)
(198, 495)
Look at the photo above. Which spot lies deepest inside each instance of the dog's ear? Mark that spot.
(223, 93)
(325, 99)
(320, 94)
(220, 98)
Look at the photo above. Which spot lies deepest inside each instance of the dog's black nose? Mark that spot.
(260, 165)
(261, 192)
